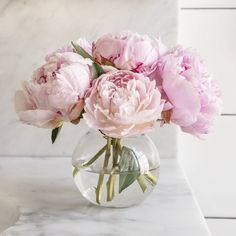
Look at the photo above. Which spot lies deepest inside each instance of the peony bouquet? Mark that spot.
(122, 85)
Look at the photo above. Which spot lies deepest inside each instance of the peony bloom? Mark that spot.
(210, 108)
(189, 91)
(122, 103)
(56, 91)
(128, 51)
(69, 48)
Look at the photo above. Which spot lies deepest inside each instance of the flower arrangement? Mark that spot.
(122, 85)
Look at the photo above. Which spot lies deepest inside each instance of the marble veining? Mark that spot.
(30, 29)
(50, 205)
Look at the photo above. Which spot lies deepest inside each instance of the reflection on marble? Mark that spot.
(50, 204)
(30, 29)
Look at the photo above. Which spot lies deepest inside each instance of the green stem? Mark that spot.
(111, 186)
(115, 152)
(119, 147)
(108, 152)
(91, 161)
(112, 177)
(95, 157)
(101, 175)
(142, 183)
(75, 171)
(150, 178)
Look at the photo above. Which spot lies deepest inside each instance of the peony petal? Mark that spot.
(22, 101)
(41, 118)
(184, 99)
(122, 103)
(76, 110)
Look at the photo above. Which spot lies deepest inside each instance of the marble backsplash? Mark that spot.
(30, 29)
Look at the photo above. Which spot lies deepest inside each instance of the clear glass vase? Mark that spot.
(113, 172)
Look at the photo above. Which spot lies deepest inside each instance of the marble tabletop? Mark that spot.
(50, 205)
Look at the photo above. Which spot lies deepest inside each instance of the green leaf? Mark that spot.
(126, 179)
(81, 51)
(96, 68)
(129, 168)
(55, 133)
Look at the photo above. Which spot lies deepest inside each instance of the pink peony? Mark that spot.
(194, 99)
(56, 91)
(128, 51)
(122, 103)
(210, 108)
(83, 43)
(69, 48)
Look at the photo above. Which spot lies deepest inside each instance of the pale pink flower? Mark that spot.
(128, 51)
(122, 103)
(56, 91)
(189, 91)
(83, 43)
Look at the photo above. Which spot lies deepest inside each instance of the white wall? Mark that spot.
(210, 26)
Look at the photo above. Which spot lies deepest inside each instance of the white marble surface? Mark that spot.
(30, 29)
(50, 205)
(9, 213)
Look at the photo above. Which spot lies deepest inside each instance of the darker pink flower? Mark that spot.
(190, 93)
(128, 51)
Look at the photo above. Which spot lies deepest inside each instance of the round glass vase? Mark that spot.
(112, 172)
